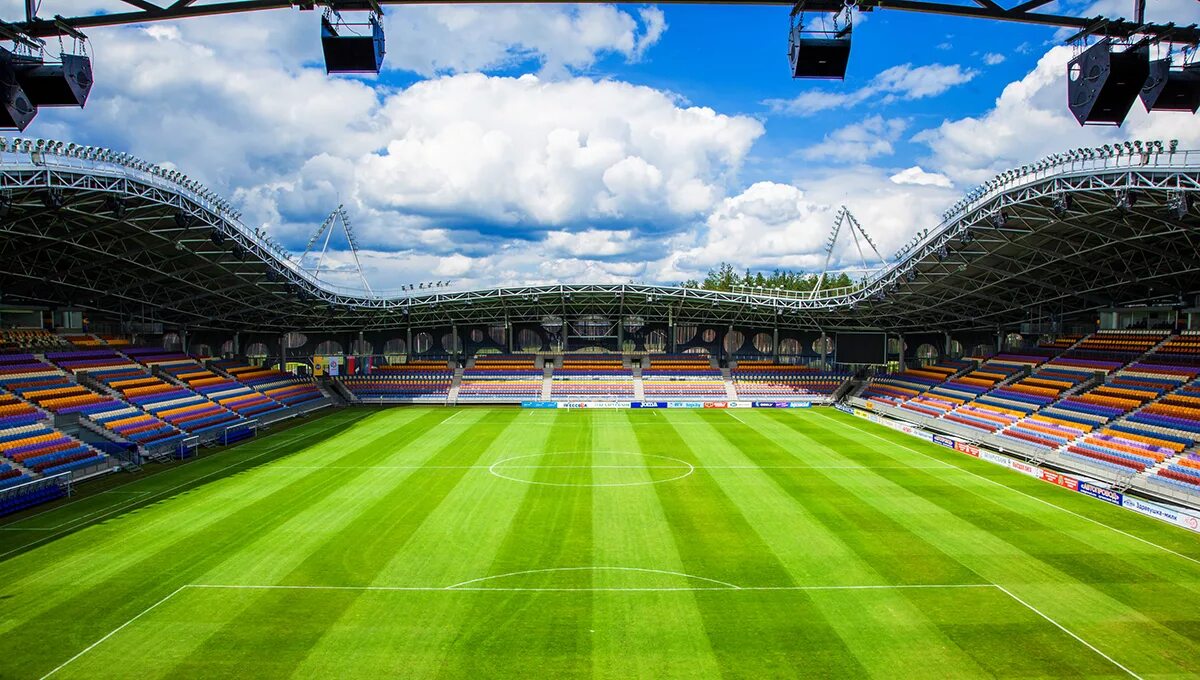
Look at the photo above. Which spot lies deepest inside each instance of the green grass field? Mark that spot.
(495, 542)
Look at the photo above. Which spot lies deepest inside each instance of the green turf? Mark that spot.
(495, 542)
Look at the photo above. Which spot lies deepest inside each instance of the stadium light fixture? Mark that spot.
(821, 53)
(1171, 89)
(346, 50)
(1104, 80)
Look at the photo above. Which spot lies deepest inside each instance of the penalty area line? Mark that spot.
(465, 587)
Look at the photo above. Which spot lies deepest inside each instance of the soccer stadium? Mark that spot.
(243, 434)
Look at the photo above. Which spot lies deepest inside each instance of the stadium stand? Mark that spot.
(416, 381)
(24, 340)
(501, 377)
(30, 445)
(768, 379)
(192, 413)
(283, 388)
(226, 391)
(592, 377)
(683, 376)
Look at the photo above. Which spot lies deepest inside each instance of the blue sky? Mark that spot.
(520, 144)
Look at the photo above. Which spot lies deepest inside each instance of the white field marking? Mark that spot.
(113, 632)
(1039, 500)
(723, 584)
(648, 467)
(684, 465)
(124, 504)
(466, 587)
(80, 518)
(735, 416)
(1059, 626)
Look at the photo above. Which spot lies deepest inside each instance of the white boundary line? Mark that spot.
(723, 584)
(132, 501)
(114, 631)
(1059, 626)
(673, 467)
(688, 471)
(75, 520)
(1018, 491)
(465, 587)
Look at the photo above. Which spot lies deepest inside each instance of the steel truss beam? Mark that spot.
(178, 252)
(143, 11)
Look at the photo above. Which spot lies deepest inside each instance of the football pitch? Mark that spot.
(425, 542)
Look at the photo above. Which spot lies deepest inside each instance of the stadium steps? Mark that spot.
(730, 390)
(455, 383)
(639, 388)
(547, 386)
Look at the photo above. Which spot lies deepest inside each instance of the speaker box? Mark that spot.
(1171, 90)
(16, 110)
(1102, 84)
(352, 53)
(819, 57)
(65, 83)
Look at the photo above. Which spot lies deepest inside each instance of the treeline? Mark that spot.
(725, 277)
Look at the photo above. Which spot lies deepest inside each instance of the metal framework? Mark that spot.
(94, 230)
(142, 11)
(340, 218)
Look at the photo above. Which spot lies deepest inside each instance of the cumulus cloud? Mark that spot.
(858, 142)
(898, 83)
(915, 175)
(1030, 120)
(432, 40)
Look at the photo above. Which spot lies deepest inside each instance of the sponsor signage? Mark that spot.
(969, 449)
(1172, 515)
(1106, 495)
(648, 404)
(993, 458)
(539, 404)
(1025, 468)
(716, 404)
(1065, 481)
(845, 409)
(944, 441)
(685, 404)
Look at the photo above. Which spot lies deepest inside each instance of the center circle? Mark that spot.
(591, 468)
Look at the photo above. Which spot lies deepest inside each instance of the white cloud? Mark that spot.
(993, 58)
(432, 40)
(1030, 120)
(858, 142)
(915, 175)
(898, 83)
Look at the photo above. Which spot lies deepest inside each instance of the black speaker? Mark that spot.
(16, 110)
(63, 83)
(819, 56)
(1102, 84)
(1171, 90)
(352, 53)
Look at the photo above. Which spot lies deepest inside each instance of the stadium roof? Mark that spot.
(96, 230)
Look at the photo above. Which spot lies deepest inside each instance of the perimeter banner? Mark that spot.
(1172, 515)
(1106, 495)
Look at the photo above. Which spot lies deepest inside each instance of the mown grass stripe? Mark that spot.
(715, 540)
(456, 540)
(179, 552)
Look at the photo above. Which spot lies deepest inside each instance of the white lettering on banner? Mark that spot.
(1025, 468)
(1176, 517)
(993, 458)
